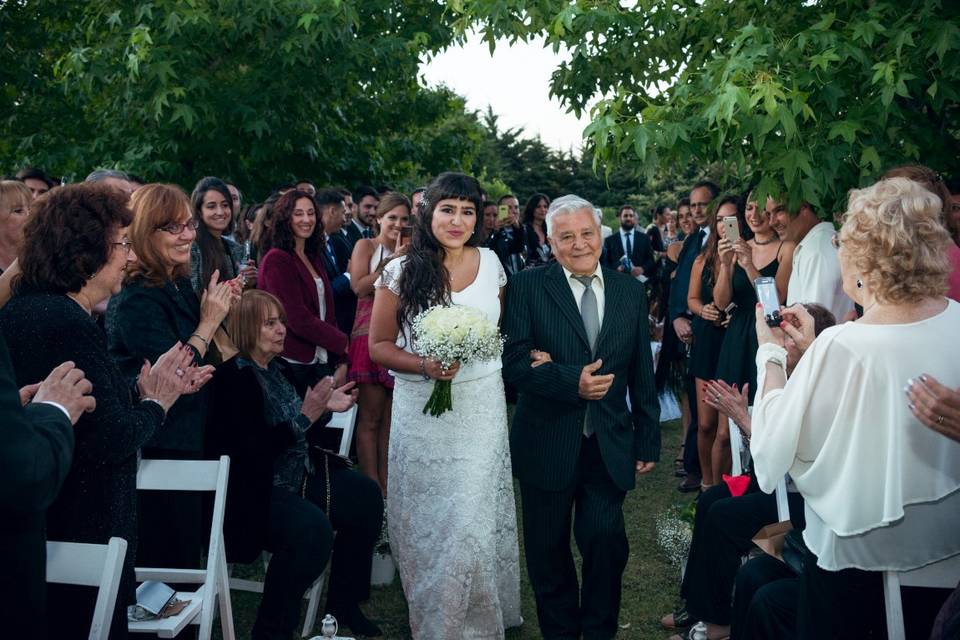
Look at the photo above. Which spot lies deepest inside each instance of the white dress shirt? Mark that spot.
(623, 242)
(578, 289)
(816, 273)
(882, 491)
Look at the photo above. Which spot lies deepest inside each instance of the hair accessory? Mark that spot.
(424, 203)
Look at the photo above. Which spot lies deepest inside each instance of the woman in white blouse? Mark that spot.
(881, 490)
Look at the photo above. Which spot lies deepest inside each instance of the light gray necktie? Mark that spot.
(588, 311)
(591, 323)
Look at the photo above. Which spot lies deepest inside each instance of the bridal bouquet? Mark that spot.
(452, 334)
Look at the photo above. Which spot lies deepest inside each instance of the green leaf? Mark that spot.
(306, 20)
(847, 129)
(824, 59)
(871, 157)
(184, 113)
(825, 22)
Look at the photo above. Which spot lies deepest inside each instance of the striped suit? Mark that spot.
(558, 468)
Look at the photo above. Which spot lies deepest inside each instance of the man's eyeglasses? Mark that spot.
(126, 245)
(176, 228)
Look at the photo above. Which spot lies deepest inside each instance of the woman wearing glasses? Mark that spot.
(157, 309)
(76, 250)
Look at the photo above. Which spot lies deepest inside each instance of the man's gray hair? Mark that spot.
(102, 174)
(566, 205)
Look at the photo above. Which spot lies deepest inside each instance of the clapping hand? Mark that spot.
(172, 375)
(217, 299)
(316, 398)
(67, 386)
(343, 397)
(729, 400)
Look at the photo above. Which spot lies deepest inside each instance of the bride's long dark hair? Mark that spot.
(424, 281)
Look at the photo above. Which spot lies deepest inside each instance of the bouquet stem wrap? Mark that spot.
(454, 334)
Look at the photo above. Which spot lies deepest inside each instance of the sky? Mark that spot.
(515, 81)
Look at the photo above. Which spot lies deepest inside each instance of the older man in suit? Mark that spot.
(578, 345)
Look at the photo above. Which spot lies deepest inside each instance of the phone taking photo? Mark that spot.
(503, 212)
(731, 227)
(767, 295)
(406, 233)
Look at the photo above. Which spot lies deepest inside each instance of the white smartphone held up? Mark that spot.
(731, 227)
(767, 295)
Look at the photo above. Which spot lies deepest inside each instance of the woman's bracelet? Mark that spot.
(423, 368)
(199, 337)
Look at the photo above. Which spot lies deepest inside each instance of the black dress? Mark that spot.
(737, 362)
(707, 337)
(99, 496)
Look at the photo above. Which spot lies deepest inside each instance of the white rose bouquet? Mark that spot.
(453, 334)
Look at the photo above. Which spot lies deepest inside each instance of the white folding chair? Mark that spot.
(939, 575)
(736, 448)
(90, 565)
(345, 421)
(192, 475)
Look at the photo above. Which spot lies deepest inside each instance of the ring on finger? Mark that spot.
(940, 420)
(180, 372)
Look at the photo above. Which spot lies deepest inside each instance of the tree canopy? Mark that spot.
(257, 91)
(803, 98)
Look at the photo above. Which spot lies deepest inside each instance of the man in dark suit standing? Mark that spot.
(630, 242)
(701, 195)
(36, 449)
(362, 223)
(578, 345)
(336, 257)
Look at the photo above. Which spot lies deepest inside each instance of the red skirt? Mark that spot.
(363, 370)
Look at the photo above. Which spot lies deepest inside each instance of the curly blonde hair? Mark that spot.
(894, 237)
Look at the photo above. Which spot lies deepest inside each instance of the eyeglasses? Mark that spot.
(126, 245)
(835, 240)
(176, 228)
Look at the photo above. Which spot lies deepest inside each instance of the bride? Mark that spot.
(450, 508)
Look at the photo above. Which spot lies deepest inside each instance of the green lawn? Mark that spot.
(650, 582)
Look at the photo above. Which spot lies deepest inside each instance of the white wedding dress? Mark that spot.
(450, 505)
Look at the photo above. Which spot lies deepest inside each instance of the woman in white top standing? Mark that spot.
(369, 258)
(881, 490)
(451, 511)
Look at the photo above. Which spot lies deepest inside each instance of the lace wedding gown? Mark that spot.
(450, 505)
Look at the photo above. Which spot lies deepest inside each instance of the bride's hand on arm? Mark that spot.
(538, 358)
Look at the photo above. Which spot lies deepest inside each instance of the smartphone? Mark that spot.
(732, 228)
(767, 295)
(406, 233)
(503, 212)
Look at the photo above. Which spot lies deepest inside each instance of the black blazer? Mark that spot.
(36, 448)
(353, 234)
(541, 313)
(99, 497)
(642, 252)
(143, 322)
(236, 427)
(680, 286)
(344, 299)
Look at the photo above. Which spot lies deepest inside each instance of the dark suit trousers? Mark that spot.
(596, 503)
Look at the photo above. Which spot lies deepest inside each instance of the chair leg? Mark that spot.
(313, 604)
(223, 599)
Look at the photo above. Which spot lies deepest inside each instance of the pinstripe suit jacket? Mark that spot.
(541, 313)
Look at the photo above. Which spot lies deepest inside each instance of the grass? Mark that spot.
(650, 582)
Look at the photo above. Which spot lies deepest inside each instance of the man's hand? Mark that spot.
(67, 386)
(636, 272)
(644, 467)
(594, 387)
(27, 393)
(683, 329)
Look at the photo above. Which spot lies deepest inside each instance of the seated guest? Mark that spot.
(76, 251)
(375, 383)
(880, 492)
(15, 203)
(36, 449)
(726, 525)
(156, 310)
(293, 271)
(212, 251)
(284, 496)
(630, 246)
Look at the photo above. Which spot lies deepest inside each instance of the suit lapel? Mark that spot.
(612, 299)
(557, 287)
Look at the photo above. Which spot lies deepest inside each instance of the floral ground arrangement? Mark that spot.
(650, 582)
